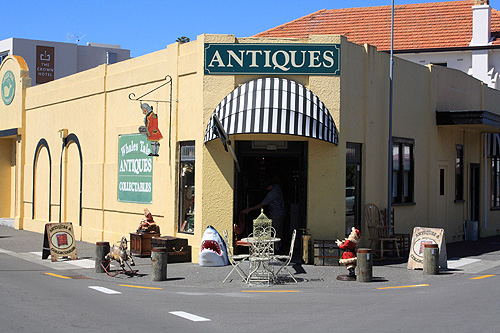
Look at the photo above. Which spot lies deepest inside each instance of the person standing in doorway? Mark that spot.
(275, 202)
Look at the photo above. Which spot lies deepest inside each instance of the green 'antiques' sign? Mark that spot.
(135, 169)
(8, 87)
(278, 59)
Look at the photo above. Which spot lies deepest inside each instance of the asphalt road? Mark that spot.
(41, 296)
(37, 299)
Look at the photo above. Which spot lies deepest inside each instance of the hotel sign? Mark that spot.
(275, 59)
(44, 64)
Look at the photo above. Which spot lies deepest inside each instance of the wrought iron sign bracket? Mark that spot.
(131, 96)
(168, 79)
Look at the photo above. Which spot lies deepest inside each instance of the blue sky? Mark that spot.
(146, 26)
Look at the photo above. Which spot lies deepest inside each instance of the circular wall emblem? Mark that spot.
(8, 87)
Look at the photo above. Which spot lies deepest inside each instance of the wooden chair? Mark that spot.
(404, 241)
(380, 233)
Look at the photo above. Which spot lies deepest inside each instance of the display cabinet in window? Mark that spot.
(186, 187)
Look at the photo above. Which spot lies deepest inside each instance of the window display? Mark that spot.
(186, 188)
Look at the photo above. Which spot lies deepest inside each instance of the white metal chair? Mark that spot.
(234, 259)
(285, 259)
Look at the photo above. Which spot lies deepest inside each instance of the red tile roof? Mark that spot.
(416, 26)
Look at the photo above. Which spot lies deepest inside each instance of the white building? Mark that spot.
(48, 61)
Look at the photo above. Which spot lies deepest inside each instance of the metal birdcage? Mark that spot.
(262, 225)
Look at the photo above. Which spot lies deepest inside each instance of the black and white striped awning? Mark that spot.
(274, 106)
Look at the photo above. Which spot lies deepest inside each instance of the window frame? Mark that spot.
(186, 209)
(403, 175)
(495, 183)
(459, 172)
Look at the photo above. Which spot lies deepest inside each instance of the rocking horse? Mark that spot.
(120, 255)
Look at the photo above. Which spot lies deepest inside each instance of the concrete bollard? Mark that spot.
(431, 259)
(364, 265)
(159, 264)
(101, 250)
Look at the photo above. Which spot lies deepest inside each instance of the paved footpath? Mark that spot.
(474, 258)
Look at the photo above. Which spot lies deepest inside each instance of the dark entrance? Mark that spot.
(286, 162)
(474, 191)
(353, 187)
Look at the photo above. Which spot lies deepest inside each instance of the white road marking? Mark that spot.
(461, 262)
(61, 264)
(189, 316)
(105, 290)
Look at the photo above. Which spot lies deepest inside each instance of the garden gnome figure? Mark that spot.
(151, 129)
(349, 246)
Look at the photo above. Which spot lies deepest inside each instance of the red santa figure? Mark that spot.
(151, 129)
(147, 223)
(349, 246)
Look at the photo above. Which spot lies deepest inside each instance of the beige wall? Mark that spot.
(94, 105)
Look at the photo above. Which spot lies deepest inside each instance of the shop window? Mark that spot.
(459, 172)
(402, 170)
(186, 187)
(495, 182)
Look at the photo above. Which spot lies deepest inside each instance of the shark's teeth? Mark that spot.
(212, 246)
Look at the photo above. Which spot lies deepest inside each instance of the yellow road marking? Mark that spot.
(59, 276)
(482, 277)
(270, 291)
(411, 286)
(140, 287)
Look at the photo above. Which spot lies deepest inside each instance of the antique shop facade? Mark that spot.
(312, 113)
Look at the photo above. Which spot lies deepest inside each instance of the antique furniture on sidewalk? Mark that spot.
(140, 243)
(381, 234)
(178, 249)
(285, 259)
(404, 238)
(261, 255)
(234, 259)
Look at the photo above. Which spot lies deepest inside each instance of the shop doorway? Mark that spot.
(286, 163)
(353, 187)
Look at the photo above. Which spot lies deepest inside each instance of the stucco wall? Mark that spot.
(95, 107)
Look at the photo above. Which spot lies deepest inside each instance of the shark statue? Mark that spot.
(213, 250)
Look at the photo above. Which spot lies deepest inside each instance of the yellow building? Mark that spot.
(312, 113)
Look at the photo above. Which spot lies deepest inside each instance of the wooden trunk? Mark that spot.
(177, 248)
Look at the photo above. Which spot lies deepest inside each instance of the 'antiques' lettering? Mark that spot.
(319, 59)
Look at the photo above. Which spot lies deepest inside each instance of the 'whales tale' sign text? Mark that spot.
(293, 59)
(135, 169)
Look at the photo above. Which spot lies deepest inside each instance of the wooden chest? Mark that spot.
(326, 253)
(177, 248)
(140, 244)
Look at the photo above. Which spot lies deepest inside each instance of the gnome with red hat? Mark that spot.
(349, 246)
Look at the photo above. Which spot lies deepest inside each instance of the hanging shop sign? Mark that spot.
(135, 169)
(59, 241)
(44, 64)
(8, 87)
(291, 59)
(422, 236)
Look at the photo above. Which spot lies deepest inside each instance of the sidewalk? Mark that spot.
(472, 258)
